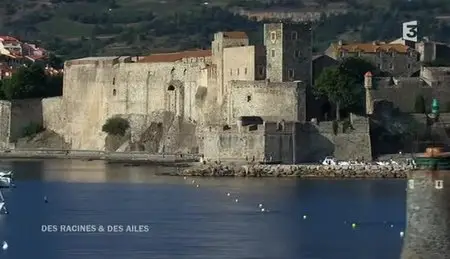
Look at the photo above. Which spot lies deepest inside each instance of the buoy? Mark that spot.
(260, 205)
(304, 216)
(392, 226)
(262, 210)
(5, 245)
(353, 225)
(228, 194)
(184, 178)
(45, 199)
(198, 185)
(402, 234)
(236, 200)
(193, 181)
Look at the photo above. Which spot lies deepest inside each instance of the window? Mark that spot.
(273, 53)
(114, 92)
(409, 66)
(391, 66)
(291, 73)
(294, 35)
(114, 80)
(439, 184)
(231, 72)
(273, 36)
(245, 70)
(237, 71)
(380, 66)
(249, 98)
(297, 53)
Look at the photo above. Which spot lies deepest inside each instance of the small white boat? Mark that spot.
(6, 174)
(6, 182)
(3, 204)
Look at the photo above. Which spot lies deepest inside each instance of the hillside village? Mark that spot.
(14, 54)
(237, 101)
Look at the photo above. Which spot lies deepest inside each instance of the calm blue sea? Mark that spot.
(190, 222)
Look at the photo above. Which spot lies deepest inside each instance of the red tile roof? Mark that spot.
(372, 48)
(175, 56)
(235, 35)
(8, 38)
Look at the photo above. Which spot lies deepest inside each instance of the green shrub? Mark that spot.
(116, 126)
(32, 129)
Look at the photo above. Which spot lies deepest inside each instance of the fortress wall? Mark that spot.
(268, 100)
(84, 97)
(23, 113)
(53, 114)
(232, 145)
(5, 119)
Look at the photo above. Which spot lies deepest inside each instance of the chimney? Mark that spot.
(368, 80)
(368, 87)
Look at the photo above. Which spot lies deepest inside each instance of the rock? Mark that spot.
(301, 171)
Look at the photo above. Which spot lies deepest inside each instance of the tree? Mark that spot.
(31, 82)
(116, 126)
(343, 85)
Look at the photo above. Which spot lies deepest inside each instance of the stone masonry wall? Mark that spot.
(270, 100)
(5, 118)
(24, 112)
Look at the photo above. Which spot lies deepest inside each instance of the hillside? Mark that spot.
(75, 28)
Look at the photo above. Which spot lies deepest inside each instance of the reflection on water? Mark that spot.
(188, 222)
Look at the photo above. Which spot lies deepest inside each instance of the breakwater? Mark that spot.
(300, 171)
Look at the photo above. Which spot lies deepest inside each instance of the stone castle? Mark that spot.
(235, 101)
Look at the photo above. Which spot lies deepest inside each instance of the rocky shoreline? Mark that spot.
(298, 171)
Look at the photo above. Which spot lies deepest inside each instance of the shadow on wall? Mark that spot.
(311, 145)
(393, 131)
(23, 114)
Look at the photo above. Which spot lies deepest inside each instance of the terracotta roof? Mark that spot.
(372, 48)
(8, 38)
(175, 56)
(235, 34)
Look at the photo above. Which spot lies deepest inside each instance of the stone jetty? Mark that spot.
(300, 171)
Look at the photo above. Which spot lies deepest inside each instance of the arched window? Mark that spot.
(171, 88)
(114, 92)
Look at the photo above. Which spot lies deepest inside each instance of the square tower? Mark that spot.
(288, 52)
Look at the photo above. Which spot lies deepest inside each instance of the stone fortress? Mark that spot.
(236, 101)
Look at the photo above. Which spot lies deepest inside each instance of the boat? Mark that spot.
(6, 182)
(6, 174)
(3, 204)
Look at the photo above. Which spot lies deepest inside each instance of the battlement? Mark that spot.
(265, 84)
(100, 61)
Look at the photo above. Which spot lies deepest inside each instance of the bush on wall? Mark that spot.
(32, 129)
(116, 126)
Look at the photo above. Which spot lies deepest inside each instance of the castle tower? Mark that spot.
(428, 215)
(368, 87)
(221, 41)
(288, 52)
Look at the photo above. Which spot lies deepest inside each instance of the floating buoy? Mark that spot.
(5, 245)
(228, 194)
(402, 234)
(260, 205)
(184, 178)
(193, 181)
(262, 209)
(353, 225)
(236, 200)
(45, 199)
(198, 185)
(304, 216)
